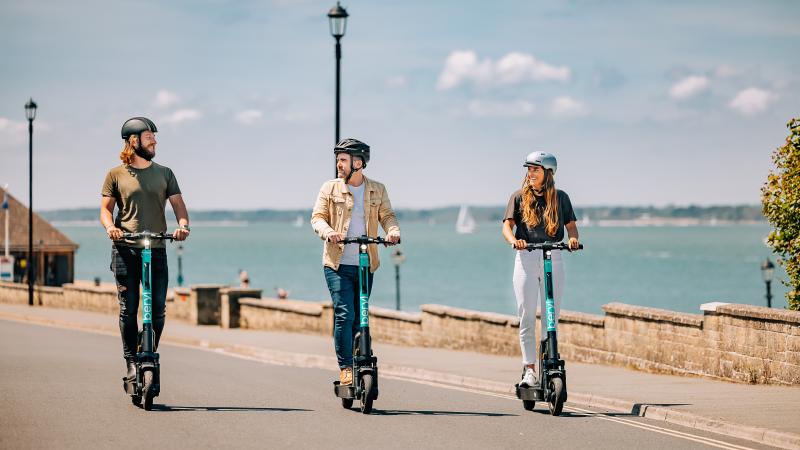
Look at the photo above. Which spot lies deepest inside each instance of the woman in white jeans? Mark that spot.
(537, 213)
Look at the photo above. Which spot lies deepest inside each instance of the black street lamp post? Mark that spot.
(767, 271)
(337, 18)
(397, 258)
(30, 114)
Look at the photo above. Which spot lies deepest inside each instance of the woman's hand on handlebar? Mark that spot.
(335, 237)
(519, 244)
(573, 244)
(114, 233)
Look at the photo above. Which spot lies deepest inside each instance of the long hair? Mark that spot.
(530, 215)
(129, 150)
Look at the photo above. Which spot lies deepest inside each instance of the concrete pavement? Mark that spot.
(764, 414)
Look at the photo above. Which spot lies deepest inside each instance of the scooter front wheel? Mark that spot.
(366, 393)
(136, 400)
(347, 403)
(148, 390)
(557, 395)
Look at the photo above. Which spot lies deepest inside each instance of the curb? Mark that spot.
(759, 435)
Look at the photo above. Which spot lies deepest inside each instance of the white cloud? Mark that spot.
(513, 68)
(397, 82)
(688, 87)
(489, 108)
(182, 115)
(726, 71)
(165, 99)
(568, 107)
(751, 101)
(12, 126)
(249, 116)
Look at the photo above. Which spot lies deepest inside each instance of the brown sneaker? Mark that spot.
(346, 376)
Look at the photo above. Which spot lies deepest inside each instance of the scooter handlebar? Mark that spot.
(365, 240)
(551, 246)
(147, 235)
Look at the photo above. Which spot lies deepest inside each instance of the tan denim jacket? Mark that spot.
(332, 212)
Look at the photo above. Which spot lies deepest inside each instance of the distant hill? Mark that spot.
(724, 214)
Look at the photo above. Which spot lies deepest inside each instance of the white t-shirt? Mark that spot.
(358, 226)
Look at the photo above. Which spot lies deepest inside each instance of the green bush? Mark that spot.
(780, 199)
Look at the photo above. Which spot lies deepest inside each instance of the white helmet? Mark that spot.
(542, 159)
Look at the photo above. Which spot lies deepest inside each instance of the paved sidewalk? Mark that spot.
(765, 414)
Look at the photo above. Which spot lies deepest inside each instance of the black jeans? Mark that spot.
(126, 264)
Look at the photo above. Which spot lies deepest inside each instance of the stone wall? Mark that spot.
(734, 342)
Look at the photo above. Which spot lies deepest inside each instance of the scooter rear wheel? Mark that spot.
(136, 400)
(366, 393)
(528, 405)
(148, 390)
(557, 395)
(347, 403)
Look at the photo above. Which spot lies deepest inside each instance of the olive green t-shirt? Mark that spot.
(141, 195)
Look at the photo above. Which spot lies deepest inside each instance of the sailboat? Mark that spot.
(298, 221)
(465, 224)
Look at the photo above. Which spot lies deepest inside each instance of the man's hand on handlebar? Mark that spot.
(181, 234)
(335, 237)
(393, 237)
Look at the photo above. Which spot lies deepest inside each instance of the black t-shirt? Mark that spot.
(539, 234)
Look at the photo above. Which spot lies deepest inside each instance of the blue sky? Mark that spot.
(643, 103)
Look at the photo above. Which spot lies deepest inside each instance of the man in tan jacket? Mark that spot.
(350, 206)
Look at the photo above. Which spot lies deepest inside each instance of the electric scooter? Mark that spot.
(552, 386)
(365, 365)
(146, 385)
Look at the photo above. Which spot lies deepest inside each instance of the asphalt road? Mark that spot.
(62, 389)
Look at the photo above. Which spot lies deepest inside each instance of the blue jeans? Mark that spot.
(343, 285)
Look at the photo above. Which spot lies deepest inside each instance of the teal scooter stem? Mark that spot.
(365, 364)
(147, 383)
(552, 386)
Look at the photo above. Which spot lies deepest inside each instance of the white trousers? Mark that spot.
(529, 289)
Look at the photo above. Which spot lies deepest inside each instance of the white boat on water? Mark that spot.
(298, 221)
(465, 224)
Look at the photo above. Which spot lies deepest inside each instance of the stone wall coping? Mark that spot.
(653, 314)
(403, 316)
(249, 292)
(197, 287)
(467, 314)
(582, 318)
(759, 313)
(24, 287)
(294, 306)
(104, 288)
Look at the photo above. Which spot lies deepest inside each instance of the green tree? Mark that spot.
(780, 200)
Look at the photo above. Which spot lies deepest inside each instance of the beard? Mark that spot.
(144, 153)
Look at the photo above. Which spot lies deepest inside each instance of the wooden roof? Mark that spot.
(45, 236)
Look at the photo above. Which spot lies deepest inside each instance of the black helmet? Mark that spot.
(353, 147)
(137, 125)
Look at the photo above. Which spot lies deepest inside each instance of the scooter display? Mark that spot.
(552, 387)
(146, 385)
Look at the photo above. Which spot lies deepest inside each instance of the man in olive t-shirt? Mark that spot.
(139, 189)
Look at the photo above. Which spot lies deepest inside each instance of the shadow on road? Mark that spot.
(396, 412)
(173, 408)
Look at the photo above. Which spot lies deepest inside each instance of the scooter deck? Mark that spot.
(529, 393)
(346, 391)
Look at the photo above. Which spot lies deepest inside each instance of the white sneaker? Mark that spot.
(529, 379)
